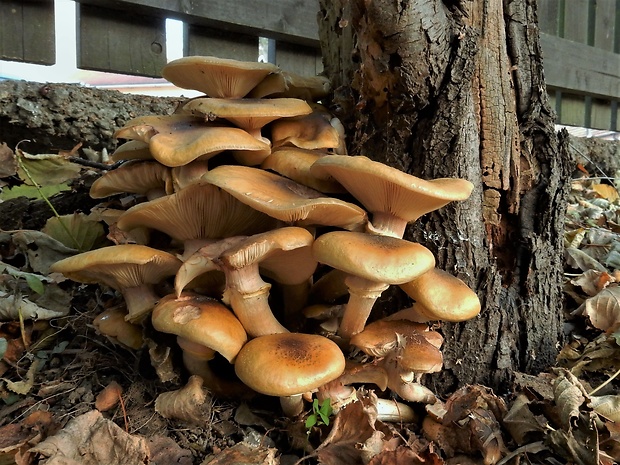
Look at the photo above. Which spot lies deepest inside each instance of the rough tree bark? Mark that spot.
(455, 88)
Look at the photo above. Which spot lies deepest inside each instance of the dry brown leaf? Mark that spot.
(521, 422)
(577, 258)
(604, 309)
(607, 406)
(244, 454)
(190, 404)
(606, 191)
(164, 450)
(352, 426)
(8, 164)
(578, 445)
(592, 281)
(569, 397)
(109, 397)
(90, 439)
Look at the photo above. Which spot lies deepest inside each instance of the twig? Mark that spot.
(609, 380)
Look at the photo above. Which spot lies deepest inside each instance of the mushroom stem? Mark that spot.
(253, 311)
(292, 405)
(196, 358)
(140, 300)
(363, 294)
(386, 224)
(393, 411)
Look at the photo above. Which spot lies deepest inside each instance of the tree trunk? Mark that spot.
(456, 89)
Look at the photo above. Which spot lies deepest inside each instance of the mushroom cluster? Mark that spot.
(253, 220)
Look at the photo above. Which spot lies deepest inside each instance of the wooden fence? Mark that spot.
(580, 41)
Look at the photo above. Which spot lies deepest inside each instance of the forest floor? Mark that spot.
(69, 395)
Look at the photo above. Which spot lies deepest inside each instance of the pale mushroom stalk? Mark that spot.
(363, 294)
(247, 294)
(196, 358)
(389, 410)
(139, 300)
(386, 224)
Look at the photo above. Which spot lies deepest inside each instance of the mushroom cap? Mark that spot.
(178, 139)
(381, 259)
(112, 324)
(285, 199)
(312, 131)
(382, 336)
(284, 254)
(443, 296)
(132, 150)
(294, 163)
(198, 211)
(248, 114)
(119, 266)
(201, 320)
(287, 84)
(381, 188)
(217, 77)
(287, 364)
(138, 178)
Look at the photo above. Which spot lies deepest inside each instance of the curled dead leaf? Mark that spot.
(604, 309)
(109, 397)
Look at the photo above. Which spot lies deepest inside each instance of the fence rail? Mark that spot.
(580, 41)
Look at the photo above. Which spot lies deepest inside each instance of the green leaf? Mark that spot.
(35, 283)
(75, 231)
(32, 192)
(311, 421)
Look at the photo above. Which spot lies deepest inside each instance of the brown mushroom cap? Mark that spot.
(119, 266)
(381, 259)
(217, 77)
(442, 296)
(284, 199)
(383, 336)
(132, 150)
(289, 363)
(295, 163)
(112, 324)
(248, 114)
(198, 211)
(393, 197)
(312, 131)
(143, 178)
(130, 268)
(291, 85)
(201, 320)
(178, 139)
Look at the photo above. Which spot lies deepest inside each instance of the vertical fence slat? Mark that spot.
(601, 114)
(122, 42)
(572, 109)
(548, 15)
(604, 24)
(216, 42)
(576, 20)
(298, 59)
(27, 31)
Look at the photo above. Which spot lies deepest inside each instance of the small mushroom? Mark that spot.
(285, 199)
(248, 114)
(290, 85)
(288, 365)
(441, 296)
(393, 198)
(294, 163)
(148, 178)
(312, 131)
(285, 252)
(112, 324)
(203, 326)
(217, 77)
(131, 269)
(372, 264)
(198, 214)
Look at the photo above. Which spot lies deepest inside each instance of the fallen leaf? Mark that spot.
(353, 425)
(109, 397)
(75, 231)
(45, 169)
(90, 439)
(606, 406)
(40, 249)
(569, 397)
(23, 387)
(577, 258)
(244, 454)
(166, 451)
(14, 307)
(520, 422)
(606, 191)
(604, 309)
(8, 164)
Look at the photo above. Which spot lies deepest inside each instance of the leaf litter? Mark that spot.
(73, 396)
